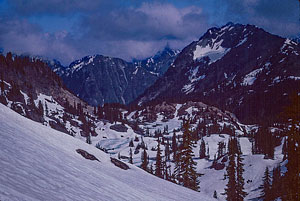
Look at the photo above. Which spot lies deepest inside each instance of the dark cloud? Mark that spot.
(130, 28)
(61, 7)
(276, 16)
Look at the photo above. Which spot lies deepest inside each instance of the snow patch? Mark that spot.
(250, 78)
(214, 51)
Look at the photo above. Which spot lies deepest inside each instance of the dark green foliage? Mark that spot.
(185, 167)
(144, 158)
(174, 145)
(241, 194)
(230, 187)
(88, 139)
(276, 188)
(235, 186)
(292, 177)
(2, 84)
(130, 156)
(158, 164)
(221, 149)
(131, 143)
(264, 143)
(215, 195)
(266, 186)
(167, 150)
(40, 108)
(202, 151)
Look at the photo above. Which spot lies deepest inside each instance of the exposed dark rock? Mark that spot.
(99, 79)
(119, 128)
(224, 159)
(219, 166)
(58, 126)
(86, 155)
(119, 164)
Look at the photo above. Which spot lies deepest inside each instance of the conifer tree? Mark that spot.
(2, 84)
(186, 173)
(221, 149)
(158, 164)
(215, 195)
(284, 149)
(202, 151)
(88, 138)
(266, 186)
(40, 108)
(167, 150)
(145, 162)
(276, 188)
(131, 143)
(130, 156)
(241, 194)
(230, 187)
(174, 146)
(292, 180)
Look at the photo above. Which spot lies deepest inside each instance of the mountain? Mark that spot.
(160, 62)
(56, 66)
(32, 89)
(99, 79)
(39, 163)
(241, 68)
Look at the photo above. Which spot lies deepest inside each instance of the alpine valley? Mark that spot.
(218, 120)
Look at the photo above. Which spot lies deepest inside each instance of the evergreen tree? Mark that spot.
(144, 158)
(230, 187)
(40, 108)
(131, 143)
(151, 168)
(186, 172)
(221, 149)
(174, 146)
(241, 194)
(130, 156)
(202, 151)
(88, 138)
(2, 84)
(158, 164)
(276, 188)
(292, 180)
(284, 149)
(266, 186)
(167, 150)
(215, 195)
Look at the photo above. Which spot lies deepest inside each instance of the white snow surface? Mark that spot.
(250, 78)
(39, 163)
(214, 51)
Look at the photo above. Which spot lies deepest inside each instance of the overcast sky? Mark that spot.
(70, 29)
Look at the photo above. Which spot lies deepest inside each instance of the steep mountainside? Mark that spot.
(39, 163)
(32, 89)
(99, 79)
(125, 135)
(237, 67)
(160, 62)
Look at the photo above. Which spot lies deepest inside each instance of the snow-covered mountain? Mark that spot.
(39, 163)
(160, 62)
(115, 130)
(241, 68)
(99, 79)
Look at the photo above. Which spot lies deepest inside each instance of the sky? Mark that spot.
(67, 30)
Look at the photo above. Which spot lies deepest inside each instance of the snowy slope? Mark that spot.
(211, 180)
(39, 163)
